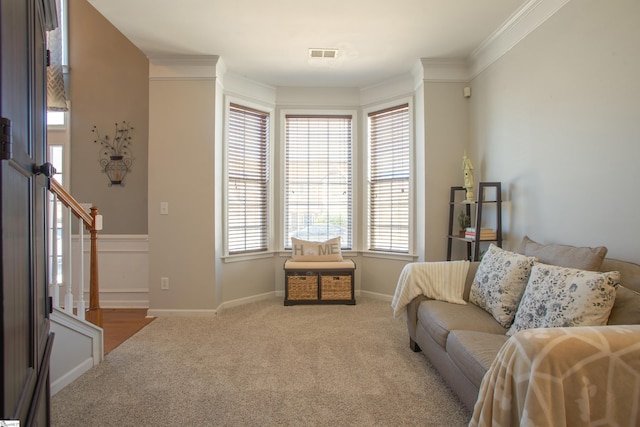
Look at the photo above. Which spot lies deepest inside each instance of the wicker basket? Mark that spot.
(335, 287)
(302, 287)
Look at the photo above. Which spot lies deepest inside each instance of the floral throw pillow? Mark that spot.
(559, 297)
(499, 283)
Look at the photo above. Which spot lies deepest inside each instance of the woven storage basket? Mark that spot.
(335, 287)
(302, 287)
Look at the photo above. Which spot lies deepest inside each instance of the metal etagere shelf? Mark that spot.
(473, 243)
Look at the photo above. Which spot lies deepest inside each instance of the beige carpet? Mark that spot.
(263, 364)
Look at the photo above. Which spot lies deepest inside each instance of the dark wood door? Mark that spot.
(26, 340)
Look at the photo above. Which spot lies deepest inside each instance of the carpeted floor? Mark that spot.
(263, 364)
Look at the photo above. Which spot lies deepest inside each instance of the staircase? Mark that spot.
(79, 343)
(77, 348)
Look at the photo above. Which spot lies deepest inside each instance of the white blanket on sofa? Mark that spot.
(442, 280)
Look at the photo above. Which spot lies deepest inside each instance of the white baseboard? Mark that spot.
(375, 295)
(71, 376)
(247, 300)
(180, 313)
(123, 298)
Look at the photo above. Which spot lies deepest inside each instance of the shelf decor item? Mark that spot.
(464, 221)
(115, 157)
(467, 169)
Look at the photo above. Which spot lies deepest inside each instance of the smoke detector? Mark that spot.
(323, 53)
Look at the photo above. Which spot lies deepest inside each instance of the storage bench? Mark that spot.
(319, 282)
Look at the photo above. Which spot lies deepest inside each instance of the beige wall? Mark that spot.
(446, 139)
(557, 120)
(109, 83)
(182, 123)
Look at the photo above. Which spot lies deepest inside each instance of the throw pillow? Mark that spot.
(583, 258)
(499, 283)
(560, 296)
(303, 250)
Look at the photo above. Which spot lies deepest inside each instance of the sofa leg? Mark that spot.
(414, 346)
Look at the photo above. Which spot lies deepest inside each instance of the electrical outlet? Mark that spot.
(164, 283)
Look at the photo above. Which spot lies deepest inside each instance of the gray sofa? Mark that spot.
(461, 341)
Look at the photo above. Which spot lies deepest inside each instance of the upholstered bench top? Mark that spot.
(320, 265)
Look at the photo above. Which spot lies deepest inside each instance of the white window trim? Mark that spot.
(280, 240)
(228, 100)
(412, 181)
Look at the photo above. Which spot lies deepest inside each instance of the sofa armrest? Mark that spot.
(412, 316)
(550, 375)
(412, 307)
(473, 267)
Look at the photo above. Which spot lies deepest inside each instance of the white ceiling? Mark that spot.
(268, 41)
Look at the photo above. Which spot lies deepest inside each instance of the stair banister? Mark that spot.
(54, 286)
(93, 222)
(94, 315)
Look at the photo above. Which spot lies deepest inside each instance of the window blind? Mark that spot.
(318, 164)
(389, 175)
(56, 90)
(248, 178)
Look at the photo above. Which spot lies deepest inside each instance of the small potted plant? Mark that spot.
(464, 221)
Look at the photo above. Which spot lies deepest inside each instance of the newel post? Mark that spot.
(94, 314)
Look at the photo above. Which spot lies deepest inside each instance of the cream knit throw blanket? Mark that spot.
(437, 280)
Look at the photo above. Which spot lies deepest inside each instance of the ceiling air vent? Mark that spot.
(323, 53)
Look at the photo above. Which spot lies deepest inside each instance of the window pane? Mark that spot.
(247, 164)
(55, 157)
(389, 174)
(55, 118)
(318, 178)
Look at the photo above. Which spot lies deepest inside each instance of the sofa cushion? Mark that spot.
(499, 283)
(584, 258)
(629, 272)
(558, 296)
(626, 308)
(473, 352)
(440, 317)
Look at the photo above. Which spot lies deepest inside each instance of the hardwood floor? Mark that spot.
(121, 324)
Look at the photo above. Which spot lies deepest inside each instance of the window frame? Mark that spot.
(59, 136)
(269, 111)
(285, 243)
(367, 251)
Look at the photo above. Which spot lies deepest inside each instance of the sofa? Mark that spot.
(463, 339)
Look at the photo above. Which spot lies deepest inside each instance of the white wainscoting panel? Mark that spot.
(123, 270)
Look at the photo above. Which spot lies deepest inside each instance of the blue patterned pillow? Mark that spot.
(499, 283)
(559, 297)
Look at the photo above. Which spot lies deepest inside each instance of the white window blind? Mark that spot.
(389, 175)
(318, 201)
(248, 178)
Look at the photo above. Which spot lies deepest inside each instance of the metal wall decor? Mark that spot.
(115, 157)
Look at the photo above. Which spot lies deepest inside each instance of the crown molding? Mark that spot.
(443, 69)
(186, 67)
(519, 25)
(524, 21)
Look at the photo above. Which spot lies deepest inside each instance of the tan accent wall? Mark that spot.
(109, 83)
